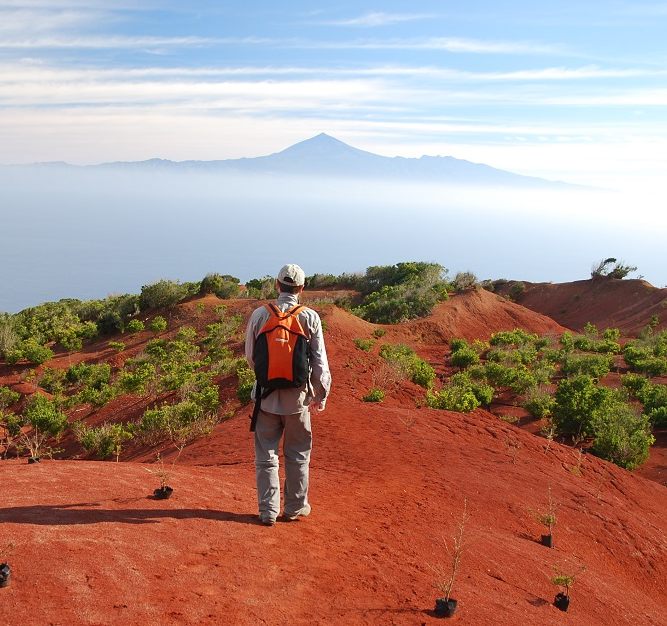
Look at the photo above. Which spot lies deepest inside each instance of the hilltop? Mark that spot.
(627, 304)
(388, 484)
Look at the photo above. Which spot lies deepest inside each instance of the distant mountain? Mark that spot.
(325, 156)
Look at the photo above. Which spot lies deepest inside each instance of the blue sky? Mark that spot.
(574, 90)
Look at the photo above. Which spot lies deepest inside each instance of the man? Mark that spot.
(286, 412)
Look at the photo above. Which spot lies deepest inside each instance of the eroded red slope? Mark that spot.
(388, 483)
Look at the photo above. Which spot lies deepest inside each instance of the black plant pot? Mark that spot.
(548, 541)
(5, 575)
(562, 601)
(33, 459)
(445, 608)
(162, 493)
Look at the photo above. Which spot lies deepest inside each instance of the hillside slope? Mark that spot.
(626, 304)
(389, 482)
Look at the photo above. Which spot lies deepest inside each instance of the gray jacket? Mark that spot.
(289, 401)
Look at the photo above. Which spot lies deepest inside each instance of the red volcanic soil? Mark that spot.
(388, 486)
(605, 302)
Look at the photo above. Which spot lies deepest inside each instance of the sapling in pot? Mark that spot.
(564, 581)
(445, 606)
(164, 473)
(548, 519)
(5, 571)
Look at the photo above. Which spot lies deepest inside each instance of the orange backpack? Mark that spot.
(281, 354)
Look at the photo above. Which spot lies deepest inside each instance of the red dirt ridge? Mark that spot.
(388, 486)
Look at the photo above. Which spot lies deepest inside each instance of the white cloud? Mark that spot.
(373, 19)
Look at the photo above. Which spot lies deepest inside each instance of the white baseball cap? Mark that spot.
(291, 274)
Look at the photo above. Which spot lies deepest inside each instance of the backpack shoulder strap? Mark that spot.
(273, 309)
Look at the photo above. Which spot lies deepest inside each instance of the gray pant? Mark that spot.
(297, 443)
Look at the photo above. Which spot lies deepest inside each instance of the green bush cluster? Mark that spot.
(223, 286)
(374, 395)
(104, 440)
(246, 381)
(463, 355)
(648, 355)
(463, 394)
(364, 344)
(397, 293)
(591, 342)
(8, 397)
(408, 364)
(162, 294)
(538, 401)
(596, 365)
(652, 396)
(526, 364)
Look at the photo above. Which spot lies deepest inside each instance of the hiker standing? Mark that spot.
(284, 408)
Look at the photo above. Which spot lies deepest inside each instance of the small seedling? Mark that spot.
(564, 581)
(445, 574)
(164, 473)
(547, 518)
(6, 551)
(549, 432)
(513, 446)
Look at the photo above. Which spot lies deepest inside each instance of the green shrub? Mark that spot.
(595, 365)
(518, 378)
(567, 341)
(506, 356)
(636, 384)
(408, 364)
(538, 402)
(464, 357)
(457, 343)
(516, 337)
(11, 424)
(138, 381)
(374, 395)
(364, 344)
(94, 375)
(453, 398)
(110, 322)
(465, 280)
(394, 294)
(577, 400)
(161, 294)
(481, 391)
(34, 352)
(105, 440)
(98, 394)
(262, 288)
(158, 325)
(70, 342)
(135, 326)
(43, 416)
(378, 333)
(172, 422)
(246, 378)
(622, 435)
(9, 337)
(516, 290)
(186, 334)
(118, 346)
(53, 380)
(648, 354)
(8, 397)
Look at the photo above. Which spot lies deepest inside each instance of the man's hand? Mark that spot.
(316, 407)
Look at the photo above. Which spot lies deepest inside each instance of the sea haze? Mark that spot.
(86, 233)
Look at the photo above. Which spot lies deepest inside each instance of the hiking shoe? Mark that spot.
(293, 517)
(267, 519)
